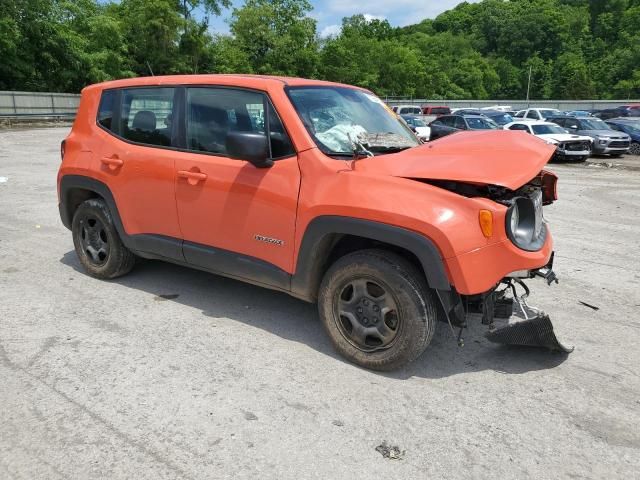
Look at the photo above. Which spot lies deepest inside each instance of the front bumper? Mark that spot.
(572, 153)
(606, 149)
(482, 269)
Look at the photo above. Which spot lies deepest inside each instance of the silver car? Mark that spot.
(605, 140)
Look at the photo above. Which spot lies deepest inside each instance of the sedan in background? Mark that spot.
(418, 125)
(606, 140)
(498, 116)
(630, 126)
(448, 124)
(568, 146)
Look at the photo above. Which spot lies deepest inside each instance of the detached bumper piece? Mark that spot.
(532, 327)
(536, 332)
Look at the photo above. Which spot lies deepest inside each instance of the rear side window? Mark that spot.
(212, 113)
(146, 115)
(105, 111)
(459, 123)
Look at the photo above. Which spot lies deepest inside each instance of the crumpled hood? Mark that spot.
(494, 157)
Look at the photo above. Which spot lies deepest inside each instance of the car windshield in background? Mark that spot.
(632, 127)
(343, 119)
(416, 122)
(593, 124)
(547, 129)
(481, 124)
(548, 113)
(439, 111)
(502, 119)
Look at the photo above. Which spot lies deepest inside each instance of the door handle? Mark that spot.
(192, 177)
(112, 162)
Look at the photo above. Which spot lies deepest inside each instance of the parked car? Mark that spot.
(632, 110)
(538, 113)
(418, 125)
(407, 110)
(568, 146)
(317, 190)
(435, 110)
(448, 124)
(499, 117)
(499, 108)
(630, 126)
(578, 113)
(605, 139)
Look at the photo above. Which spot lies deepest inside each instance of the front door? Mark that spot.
(236, 218)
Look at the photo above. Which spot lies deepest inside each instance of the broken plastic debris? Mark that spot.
(390, 451)
(592, 307)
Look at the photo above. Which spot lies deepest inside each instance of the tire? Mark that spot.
(634, 149)
(97, 243)
(398, 325)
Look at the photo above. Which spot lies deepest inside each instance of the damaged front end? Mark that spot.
(505, 311)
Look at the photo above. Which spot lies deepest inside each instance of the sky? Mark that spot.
(329, 13)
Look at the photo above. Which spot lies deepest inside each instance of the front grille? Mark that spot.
(619, 144)
(578, 146)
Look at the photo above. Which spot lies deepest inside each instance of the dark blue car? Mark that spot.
(630, 126)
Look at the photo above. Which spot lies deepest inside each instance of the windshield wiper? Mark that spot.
(388, 148)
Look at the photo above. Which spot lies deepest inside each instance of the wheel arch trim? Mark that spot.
(319, 238)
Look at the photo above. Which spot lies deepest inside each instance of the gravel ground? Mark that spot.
(174, 373)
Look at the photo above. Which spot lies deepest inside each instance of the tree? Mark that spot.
(277, 36)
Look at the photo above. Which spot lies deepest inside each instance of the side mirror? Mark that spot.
(250, 146)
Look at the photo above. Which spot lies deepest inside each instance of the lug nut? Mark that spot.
(365, 302)
(359, 309)
(376, 308)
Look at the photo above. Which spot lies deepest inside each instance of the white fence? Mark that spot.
(44, 104)
(564, 105)
(40, 104)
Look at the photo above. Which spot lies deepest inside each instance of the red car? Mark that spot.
(435, 110)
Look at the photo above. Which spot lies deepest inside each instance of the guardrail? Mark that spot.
(38, 104)
(564, 105)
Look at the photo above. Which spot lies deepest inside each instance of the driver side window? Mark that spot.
(213, 113)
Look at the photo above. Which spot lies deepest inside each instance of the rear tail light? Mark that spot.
(62, 148)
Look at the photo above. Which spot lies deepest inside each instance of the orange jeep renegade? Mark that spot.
(318, 190)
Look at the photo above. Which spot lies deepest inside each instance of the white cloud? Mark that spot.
(368, 17)
(330, 31)
(396, 11)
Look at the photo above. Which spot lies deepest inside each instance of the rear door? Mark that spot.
(235, 218)
(136, 160)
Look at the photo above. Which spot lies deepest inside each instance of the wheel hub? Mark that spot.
(94, 240)
(367, 314)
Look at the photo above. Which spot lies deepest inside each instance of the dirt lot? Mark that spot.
(225, 380)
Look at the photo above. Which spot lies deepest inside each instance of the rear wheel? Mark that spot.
(377, 309)
(97, 243)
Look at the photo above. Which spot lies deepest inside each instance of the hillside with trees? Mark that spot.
(575, 48)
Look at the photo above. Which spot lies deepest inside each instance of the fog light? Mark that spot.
(486, 222)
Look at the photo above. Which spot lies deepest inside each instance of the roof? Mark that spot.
(261, 82)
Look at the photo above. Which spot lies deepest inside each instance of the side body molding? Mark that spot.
(323, 232)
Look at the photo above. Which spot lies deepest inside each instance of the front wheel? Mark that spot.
(634, 149)
(377, 309)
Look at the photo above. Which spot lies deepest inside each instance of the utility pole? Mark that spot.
(528, 87)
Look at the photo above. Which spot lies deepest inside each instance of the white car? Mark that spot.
(418, 123)
(407, 109)
(498, 108)
(537, 113)
(569, 146)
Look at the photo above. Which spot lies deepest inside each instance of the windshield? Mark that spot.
(593, 124)
(633, 128)
(481, 124)
(501, 119)
(549, 113)
(546, 129)
(342, 120)
(415, 122)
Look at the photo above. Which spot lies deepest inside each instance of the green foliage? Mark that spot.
(574, 48)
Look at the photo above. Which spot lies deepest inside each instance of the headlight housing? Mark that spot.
(525, 224)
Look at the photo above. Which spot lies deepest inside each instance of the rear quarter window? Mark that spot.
(146, 115)
(105, 110)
